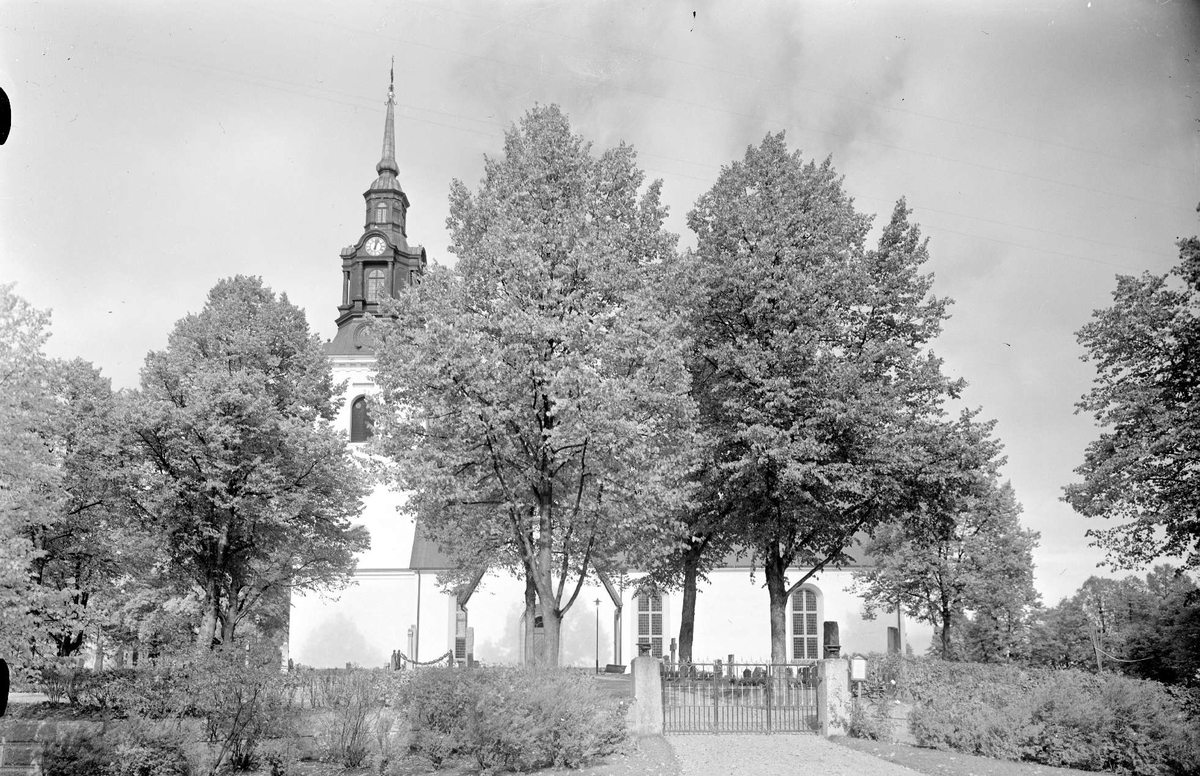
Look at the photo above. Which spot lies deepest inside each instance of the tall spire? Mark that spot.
(388, 161)
(381, 262)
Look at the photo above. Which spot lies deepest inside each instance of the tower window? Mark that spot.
(381, 213)
(360, 420)
(375, 285)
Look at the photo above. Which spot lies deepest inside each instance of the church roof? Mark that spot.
(427, 556)
(350, 341)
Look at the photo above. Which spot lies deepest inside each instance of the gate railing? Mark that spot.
(739, 697)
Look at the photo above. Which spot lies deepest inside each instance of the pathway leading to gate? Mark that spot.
(774, 755)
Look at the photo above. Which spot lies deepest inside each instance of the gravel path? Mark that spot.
(780, 755)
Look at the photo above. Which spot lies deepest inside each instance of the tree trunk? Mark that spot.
(687, 615)
(775, 569)
(208, 624)
(529, 656)
(69, 643)
(229, 619)
(552, 623)
(544, 578)
(947, 649)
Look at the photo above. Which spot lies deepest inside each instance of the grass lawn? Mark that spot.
(939, 763)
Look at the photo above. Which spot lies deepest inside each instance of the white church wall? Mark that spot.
(733, 617)
(391, 529)
(361, 625)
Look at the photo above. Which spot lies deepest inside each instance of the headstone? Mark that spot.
(832, 642)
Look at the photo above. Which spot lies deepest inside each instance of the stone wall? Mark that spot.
(21, 741)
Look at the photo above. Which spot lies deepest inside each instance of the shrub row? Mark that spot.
(231, 701)
(1062, 718)
(139, 751)
(512, 718)
(237, 696)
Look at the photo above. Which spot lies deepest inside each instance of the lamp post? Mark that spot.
(597, 635)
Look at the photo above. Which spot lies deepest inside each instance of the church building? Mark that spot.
(395, 605)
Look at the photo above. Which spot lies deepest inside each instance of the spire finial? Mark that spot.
(388, 161)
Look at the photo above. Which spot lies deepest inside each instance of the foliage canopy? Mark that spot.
(1144, 470)
(234, 465)
(815, 384)
(535, 398)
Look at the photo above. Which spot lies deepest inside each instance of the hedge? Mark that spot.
(1061, 718)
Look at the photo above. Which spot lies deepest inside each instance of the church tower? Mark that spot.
(381, 263)
(370, 619)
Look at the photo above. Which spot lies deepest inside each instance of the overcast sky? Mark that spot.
(1044, 147)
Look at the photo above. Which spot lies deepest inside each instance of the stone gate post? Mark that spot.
(833, 697)
(647, 711)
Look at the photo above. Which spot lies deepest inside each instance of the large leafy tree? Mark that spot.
(811, 365)
(31, 484)
(1144, 627)
(978, 560)
(1144, 470)
(88, 544)
(61, 540)
(535, 398)
(234, 465)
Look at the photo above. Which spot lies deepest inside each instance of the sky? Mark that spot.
(1044, 147)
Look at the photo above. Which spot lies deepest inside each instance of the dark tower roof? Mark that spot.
(387, 168)
(380, 263)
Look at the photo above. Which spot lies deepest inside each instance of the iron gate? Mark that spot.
(739, 698)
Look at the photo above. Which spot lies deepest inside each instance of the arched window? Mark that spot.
(360, 420)
(650, 621)
(805, 619)
(375, 285)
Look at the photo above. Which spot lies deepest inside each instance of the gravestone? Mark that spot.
(832, 643)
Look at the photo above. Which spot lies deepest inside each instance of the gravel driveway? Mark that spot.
(779, 755)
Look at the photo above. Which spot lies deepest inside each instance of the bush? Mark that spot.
(76, 755)
(138, 754)
(240, 693)
(355, 703)
(1062, 718)
(155, 692)
(515, 718)
(137, 751)
(870, 720)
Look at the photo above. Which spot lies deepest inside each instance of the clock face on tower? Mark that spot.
(375, 246)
